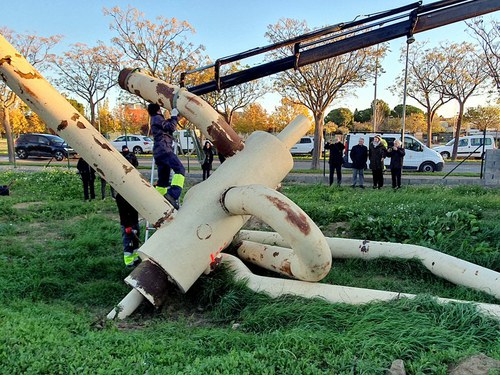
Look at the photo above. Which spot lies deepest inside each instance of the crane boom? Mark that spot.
(355, 35)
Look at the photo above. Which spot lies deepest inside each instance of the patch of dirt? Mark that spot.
(24, 205)
(476, 365)
(256, 224)
(339, 229)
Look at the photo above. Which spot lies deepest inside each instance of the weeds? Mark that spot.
(61, 272)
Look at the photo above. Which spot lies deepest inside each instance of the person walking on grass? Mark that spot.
(359, 157)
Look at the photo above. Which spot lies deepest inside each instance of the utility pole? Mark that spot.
(409, 41)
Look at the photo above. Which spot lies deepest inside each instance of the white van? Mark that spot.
(417, 156)
(469, 145)
(184, 140)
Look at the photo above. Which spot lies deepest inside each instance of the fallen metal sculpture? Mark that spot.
(214, 211)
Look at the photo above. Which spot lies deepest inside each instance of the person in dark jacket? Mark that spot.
(87, 174)
(129, 221)
(208, 160)
(336, 159)
(130, 156)
(164, 154)
(376, 154)
(397, 154)
(359, 157)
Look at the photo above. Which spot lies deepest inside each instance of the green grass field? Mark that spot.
(61, 271)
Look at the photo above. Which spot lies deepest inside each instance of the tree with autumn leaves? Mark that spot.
(317, 85)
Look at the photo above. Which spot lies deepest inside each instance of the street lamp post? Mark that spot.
(375, 94)
(409, 41)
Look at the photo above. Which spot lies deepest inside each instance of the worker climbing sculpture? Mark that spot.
(214, 211)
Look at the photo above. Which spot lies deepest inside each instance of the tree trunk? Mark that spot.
(318, 139)
(429, 129)
(8, 135)
(457, 132)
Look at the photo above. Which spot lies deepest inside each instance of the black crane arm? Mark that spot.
(420, 18)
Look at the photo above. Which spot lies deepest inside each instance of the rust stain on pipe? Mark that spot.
(285, 268)
(103, 145)
(6, 59)
(30, 75)
(220, 132)
(166, 91)
(127, 169)
(151, 280)
(297, 219)
(63, 125)
(365, 246)
(123, 76)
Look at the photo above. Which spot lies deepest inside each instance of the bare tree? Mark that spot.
(228, 101)
(489, 41)
(36, 50)
(425, 69)
(159, 47)
(88, 72)
(461, 79)
(317, 85)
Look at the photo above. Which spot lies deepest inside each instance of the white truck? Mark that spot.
(417, 156)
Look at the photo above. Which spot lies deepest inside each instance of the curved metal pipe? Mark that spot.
(455, 270)
(331, 293)
(310, 257)
(192, 107)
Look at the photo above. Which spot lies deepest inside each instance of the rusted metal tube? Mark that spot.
(192, 107)
(310, 258)
(333, 293)
(455, 270)
(63, 119)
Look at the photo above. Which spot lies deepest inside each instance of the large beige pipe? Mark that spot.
(63, 119)
(192, 107)
(455, 270)
(310, 258)
(331, 293)
(202, 228)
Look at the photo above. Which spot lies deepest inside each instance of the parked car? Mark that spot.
(138, 144)
(45, 145)
(469, 145)
(417, 156)
(304, 146)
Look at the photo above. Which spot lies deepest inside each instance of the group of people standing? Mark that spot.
(360, 155)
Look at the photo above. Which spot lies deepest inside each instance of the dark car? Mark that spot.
(48, 145)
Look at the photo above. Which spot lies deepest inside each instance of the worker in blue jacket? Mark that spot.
(164, 154)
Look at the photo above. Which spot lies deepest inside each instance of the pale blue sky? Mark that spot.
(226, 27)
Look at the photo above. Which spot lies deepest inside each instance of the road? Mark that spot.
(299, 164)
